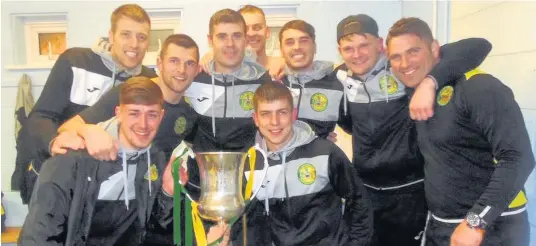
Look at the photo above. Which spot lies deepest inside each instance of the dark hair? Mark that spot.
(272, 91)
(141, 91)
(299, 25)
(226, 16)
(131, 11)
(411, 25)
(181, 40)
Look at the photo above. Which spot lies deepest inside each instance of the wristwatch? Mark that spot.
(475, 221)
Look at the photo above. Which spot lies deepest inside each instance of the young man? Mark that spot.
(79, 78)
(224, 98)
(177, 66)
(317, 95)
(306, 180)
(81, 200)
(385, 147)
(476, 148)
(256, 34)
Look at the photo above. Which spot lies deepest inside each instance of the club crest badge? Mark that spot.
(246, 100)
(444, 96)
(389, 82)
(307, 174)
(319, 102)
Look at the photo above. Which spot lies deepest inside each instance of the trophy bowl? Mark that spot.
(221, 180)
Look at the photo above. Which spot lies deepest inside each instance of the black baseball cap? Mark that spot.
(359, 24)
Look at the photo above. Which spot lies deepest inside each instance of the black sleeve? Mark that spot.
(189, 138)
(345, 119)
(46, 222)
(494, 111)
(347, 184)
(459, 57)
(163, 209)
(103, 109)
(46, 115)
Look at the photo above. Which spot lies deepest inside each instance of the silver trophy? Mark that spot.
(222, 182)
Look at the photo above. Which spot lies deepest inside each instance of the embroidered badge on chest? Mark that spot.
(307, 174)
(180, 125)
(319, 102)
(444, 96)
(390, 82)
(246, 100)
(152, 173)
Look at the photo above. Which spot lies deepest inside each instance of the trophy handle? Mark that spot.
(264, 170)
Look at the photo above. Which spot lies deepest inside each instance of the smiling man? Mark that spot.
(78, 79)
(82, 200)
(376, 114)
(300, 202)
(257, 32)
(476, 148)
(317, 94)
(223, 98)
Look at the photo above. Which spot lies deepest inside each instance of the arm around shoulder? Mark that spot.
(460, 57)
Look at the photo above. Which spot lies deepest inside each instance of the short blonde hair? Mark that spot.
(131, 11)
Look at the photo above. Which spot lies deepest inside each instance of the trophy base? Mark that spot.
(221, 210)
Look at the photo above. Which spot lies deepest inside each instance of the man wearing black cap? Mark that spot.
(375, 112)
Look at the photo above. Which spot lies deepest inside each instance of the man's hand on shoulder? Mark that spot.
(421, 106)
(204, 62)
(276, 68)
(65, 141)
(100, 144)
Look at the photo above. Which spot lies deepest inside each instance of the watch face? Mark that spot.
(473, 220)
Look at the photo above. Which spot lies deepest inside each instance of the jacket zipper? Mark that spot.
(299, 98)
(370, 119)
(286, 188)
(225, 97)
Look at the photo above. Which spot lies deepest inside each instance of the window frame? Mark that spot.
(162, 20)
(31, 35)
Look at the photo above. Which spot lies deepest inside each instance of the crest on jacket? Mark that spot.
(444, 96)
(152, 173)
(388, 82)
(180, 125)
(307, 174)
(319, 102)
(246, 100)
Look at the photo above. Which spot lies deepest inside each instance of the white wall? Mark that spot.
(509, 26)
